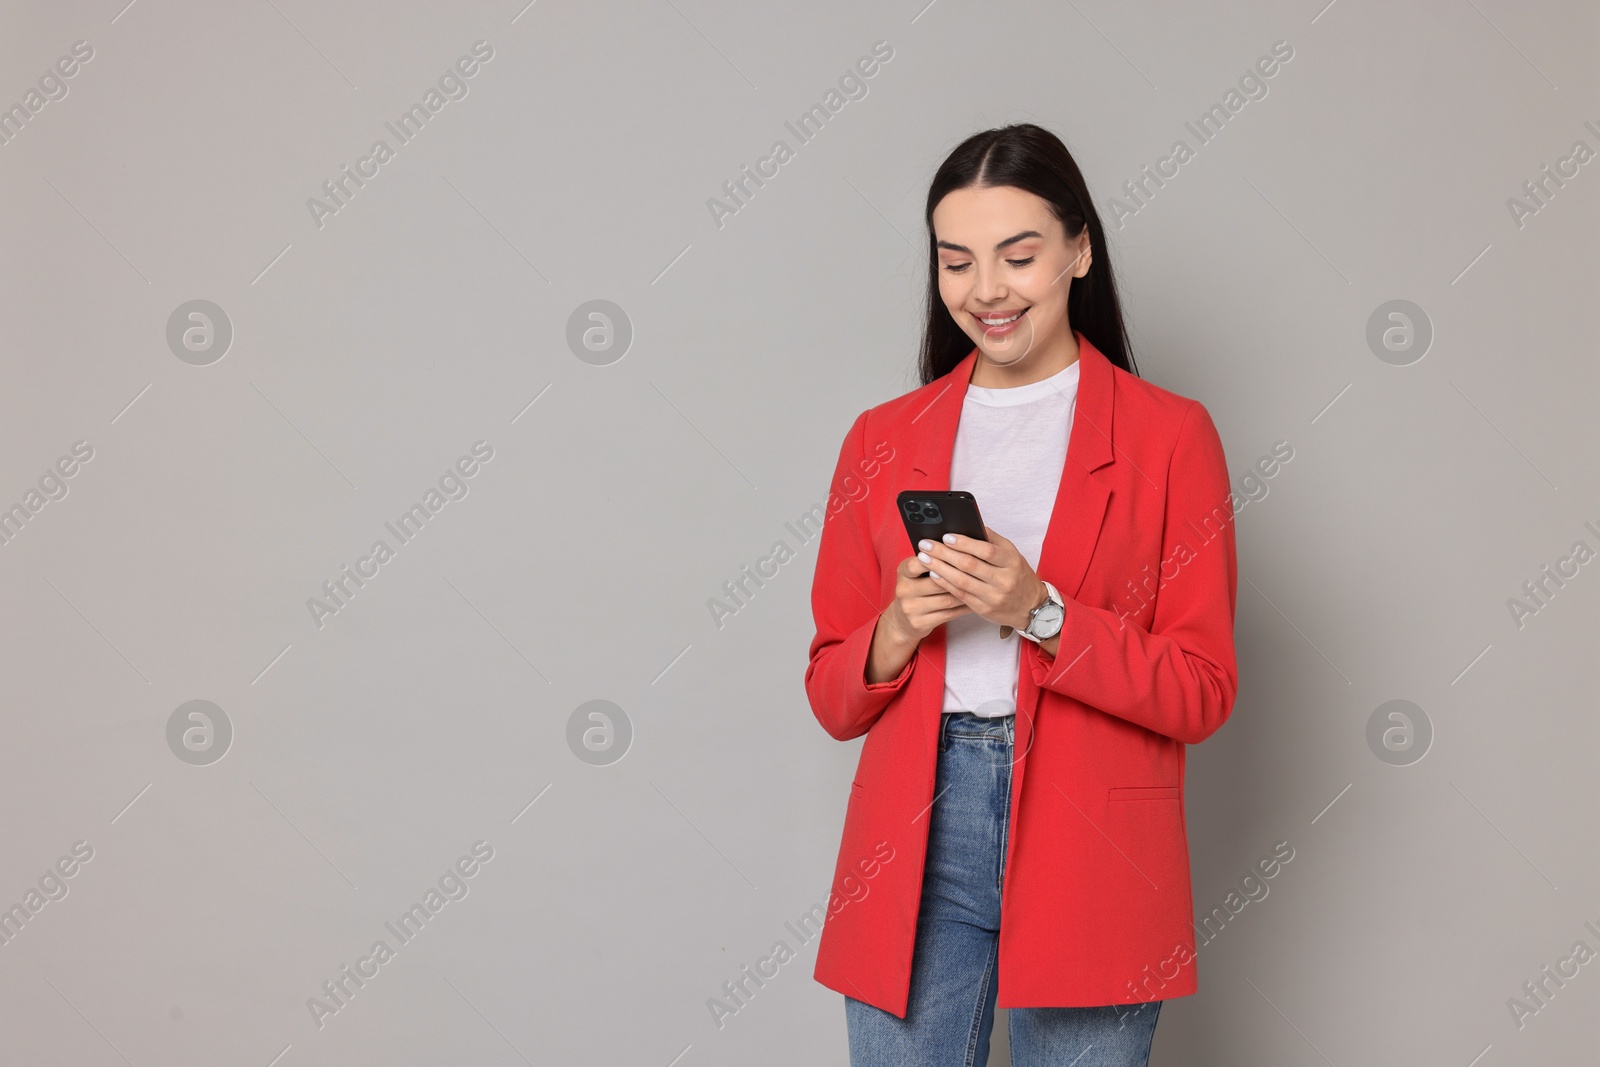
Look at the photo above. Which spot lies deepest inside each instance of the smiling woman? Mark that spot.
(999, 673)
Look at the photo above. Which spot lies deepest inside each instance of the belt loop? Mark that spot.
(944, 724)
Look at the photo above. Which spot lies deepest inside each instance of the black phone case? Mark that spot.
(933, 513)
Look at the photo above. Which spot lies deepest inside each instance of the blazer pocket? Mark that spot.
(1144, 792)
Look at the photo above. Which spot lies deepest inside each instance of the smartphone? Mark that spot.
(932, 514)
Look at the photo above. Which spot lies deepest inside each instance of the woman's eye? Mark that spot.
(960, 268)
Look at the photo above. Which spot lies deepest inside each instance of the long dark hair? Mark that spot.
(1033, 159)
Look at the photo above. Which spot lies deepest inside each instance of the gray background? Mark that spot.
(432, 312)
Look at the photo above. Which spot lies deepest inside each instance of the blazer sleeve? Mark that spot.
(844, 607)
(1178, 678)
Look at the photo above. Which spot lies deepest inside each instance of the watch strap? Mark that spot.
(1050, 594)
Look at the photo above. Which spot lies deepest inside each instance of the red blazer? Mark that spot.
(1096, 906)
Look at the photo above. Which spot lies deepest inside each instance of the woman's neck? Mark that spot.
(1036, 366)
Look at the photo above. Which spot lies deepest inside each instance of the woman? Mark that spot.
(1015, 834)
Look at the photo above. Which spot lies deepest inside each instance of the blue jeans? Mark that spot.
(950, 1012)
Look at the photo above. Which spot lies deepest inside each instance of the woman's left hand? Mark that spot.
(991, 577)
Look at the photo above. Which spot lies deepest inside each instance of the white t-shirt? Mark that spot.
(1010, 447)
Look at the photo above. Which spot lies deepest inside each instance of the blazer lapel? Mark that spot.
(1081, 497)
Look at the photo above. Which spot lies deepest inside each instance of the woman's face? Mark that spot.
(1003, 253)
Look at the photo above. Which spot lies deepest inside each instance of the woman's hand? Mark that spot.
(992, 578)
(919, 606)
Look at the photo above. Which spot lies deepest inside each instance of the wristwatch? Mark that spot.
(1046, 619)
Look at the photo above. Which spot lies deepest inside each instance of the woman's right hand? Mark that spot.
(919, 606)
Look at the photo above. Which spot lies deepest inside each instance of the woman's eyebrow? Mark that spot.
(1023, 236)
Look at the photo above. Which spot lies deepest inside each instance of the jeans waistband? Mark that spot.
(964, 725)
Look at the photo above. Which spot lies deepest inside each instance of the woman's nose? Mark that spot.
(987, 288)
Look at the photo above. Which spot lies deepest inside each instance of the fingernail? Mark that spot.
(924, 543)
(933, 574)
(949, 539)
(923, 556)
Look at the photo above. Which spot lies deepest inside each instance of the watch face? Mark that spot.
(1048, 622)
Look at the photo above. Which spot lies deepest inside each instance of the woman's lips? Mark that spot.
(1001, 331)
